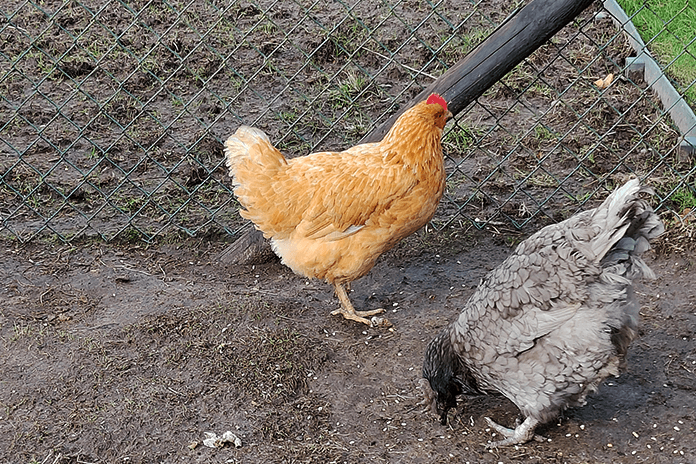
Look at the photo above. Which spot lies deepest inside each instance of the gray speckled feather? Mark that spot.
(556, 317)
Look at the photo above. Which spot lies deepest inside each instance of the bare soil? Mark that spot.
(130, 354)
(127, 353)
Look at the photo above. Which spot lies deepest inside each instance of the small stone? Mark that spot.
(380, 322)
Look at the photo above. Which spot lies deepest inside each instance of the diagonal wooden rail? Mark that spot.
(523, 32)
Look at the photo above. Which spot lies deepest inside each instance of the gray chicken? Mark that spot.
(555, 319)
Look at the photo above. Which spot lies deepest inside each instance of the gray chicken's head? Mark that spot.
(440, 369)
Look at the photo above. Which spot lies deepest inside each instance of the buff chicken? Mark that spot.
(330, 215)
(555, 319)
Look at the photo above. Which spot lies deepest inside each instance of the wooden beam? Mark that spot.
(507, 46)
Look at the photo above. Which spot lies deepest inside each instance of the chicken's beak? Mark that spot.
(448, 116)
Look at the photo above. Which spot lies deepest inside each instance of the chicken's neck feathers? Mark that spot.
(409, 139)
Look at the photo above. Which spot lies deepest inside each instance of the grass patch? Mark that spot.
(684, 199)
(460, 138)
(667, 26)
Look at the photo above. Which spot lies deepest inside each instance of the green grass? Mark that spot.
(684, 198)
(667, 26)
(543, 133)
(460, 138)
(348, 88)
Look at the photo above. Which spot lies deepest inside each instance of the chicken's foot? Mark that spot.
(347, 309)
(522, 433)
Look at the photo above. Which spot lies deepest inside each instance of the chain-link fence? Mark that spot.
(112, 113)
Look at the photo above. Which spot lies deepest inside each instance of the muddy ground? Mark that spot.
(130, 354)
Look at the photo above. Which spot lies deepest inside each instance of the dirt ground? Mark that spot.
(130, 354)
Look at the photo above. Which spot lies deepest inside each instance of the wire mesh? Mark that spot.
(112, 114)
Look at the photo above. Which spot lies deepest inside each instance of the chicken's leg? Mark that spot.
(348, 310)
(523, 433)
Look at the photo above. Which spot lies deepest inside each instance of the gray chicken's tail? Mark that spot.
(628, 225)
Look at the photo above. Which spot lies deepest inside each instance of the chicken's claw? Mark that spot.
(522, 433)
(349, 312)
(360, 316)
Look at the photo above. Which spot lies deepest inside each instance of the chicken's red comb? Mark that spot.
(435, 98)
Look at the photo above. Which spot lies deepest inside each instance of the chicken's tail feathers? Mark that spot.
(629, 225)
(634, 224)
(250, 144)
